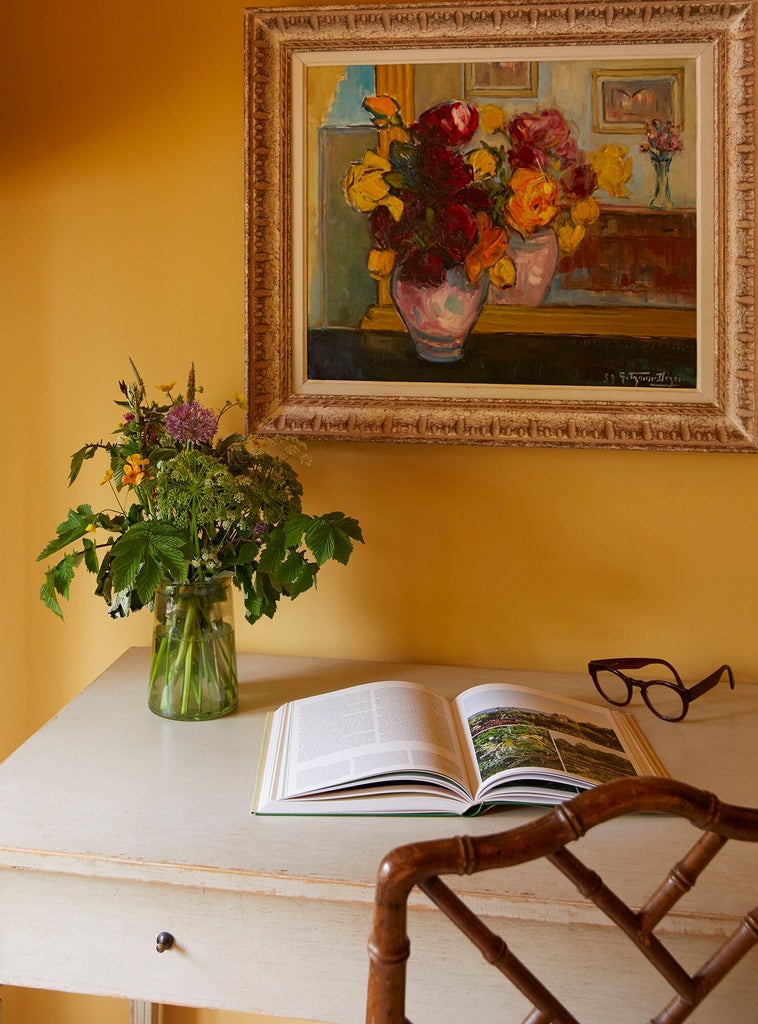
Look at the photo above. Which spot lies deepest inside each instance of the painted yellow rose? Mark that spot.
(491, 118)
(534, 202)
(365, 188)
(482, 163)
(586, 211)
(380, 263)
(569, 237)
(613, 166)
(503, 274)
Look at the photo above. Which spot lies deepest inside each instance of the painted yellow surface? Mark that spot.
(122, 193)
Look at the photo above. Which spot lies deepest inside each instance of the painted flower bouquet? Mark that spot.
(451, 188)
(661, 138)
(662, 142)
(191, 509)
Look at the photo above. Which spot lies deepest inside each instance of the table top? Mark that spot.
(106, 789)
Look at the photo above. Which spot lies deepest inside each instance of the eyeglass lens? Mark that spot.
(666, 701)
(613, 687)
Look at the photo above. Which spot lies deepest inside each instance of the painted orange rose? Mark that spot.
(382, 108)
(491, 245)
(533, 203)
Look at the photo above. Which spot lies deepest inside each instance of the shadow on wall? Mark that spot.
(75, 69)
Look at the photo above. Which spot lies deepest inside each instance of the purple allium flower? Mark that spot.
(190, 421)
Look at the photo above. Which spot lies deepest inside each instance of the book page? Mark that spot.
(371, 731)
(513, 733)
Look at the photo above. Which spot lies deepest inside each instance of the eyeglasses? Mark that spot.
(668, 699)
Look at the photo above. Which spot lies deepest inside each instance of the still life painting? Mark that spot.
(518, 223)
(461, 210)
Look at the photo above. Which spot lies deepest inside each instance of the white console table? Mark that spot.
(116, 825)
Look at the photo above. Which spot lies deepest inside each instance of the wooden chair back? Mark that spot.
(421, 864)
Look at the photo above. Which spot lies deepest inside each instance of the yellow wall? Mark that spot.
(122, 183)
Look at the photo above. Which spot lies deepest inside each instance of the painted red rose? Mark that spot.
(449, 124)
(425, 267)
(442, 170)
(578, 182)
(454, 231)
(546, 129)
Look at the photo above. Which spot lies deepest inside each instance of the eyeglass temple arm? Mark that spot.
(710, 681)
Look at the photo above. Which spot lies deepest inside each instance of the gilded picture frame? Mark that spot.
(289, 55)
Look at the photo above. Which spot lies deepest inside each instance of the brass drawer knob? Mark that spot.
(164, 941)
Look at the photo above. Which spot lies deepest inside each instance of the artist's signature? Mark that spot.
(643, 379)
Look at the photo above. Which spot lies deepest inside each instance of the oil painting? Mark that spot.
(518, 248)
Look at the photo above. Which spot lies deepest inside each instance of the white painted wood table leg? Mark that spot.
(141, 1012)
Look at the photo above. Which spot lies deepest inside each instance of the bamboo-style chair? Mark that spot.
(423, 863)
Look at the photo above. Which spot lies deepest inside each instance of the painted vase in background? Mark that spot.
(662, 195)
(193, 670)
(439, 318)
(536, 260)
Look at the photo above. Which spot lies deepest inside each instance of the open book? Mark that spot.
(400, 748)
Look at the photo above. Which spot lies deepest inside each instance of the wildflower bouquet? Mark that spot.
(434, 204)
(191, 508)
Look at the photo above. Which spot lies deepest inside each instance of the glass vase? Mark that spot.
(193, 671)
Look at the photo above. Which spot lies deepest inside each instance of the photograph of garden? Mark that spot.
(506, 738)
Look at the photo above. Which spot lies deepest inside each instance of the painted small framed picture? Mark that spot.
(505, 78)
(624, 102)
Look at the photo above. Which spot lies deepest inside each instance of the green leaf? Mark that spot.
(304, 580)
(58, 580)
(78, 459)
(331, 537)
(91, 560)
(74, 527)
(157, 546)
(48, 595)
(294, 529)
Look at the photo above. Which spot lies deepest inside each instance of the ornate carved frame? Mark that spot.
(720, 418)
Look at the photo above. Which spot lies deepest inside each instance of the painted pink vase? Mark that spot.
(536, 260)
(439, 318)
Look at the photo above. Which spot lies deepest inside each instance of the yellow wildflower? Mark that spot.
(380, 263)
(166, 387)
(134, 470)
(365, 187)
(491, 118)
(613, 167)
(107, 478)
(91, 528)
(240, 400)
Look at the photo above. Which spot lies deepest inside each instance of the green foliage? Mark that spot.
(191, 507)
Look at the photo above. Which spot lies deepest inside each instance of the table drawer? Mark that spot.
(232, 950)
